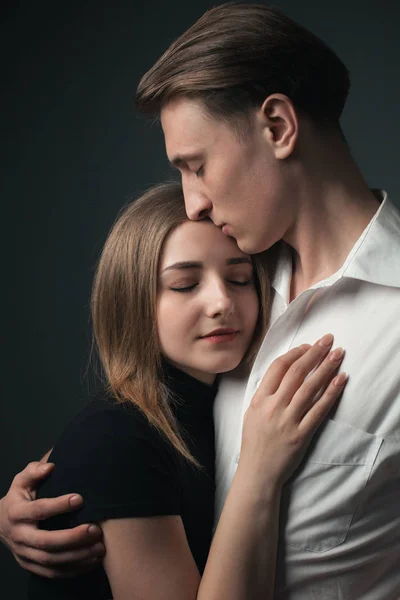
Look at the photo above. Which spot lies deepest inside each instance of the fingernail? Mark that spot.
(46, 467)
(75, 501)
(340, 380)
(336, 355)
(326, 341)
(93, 529)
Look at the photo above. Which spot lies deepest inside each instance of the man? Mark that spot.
(250, 104)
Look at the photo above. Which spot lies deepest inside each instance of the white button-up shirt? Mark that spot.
(340, 514)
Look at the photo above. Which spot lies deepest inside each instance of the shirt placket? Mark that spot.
(279, 339)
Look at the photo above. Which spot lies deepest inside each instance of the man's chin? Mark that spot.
(245, 246)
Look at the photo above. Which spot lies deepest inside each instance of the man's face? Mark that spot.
(238, 183)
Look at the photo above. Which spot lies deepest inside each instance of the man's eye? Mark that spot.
(183, 289)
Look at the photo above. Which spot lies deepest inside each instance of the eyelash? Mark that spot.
(200, 171)
(190, 288)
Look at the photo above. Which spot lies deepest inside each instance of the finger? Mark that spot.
(44, 508)
(278, 369)
(320, 410)
(31, 475)
(61, 572)
(302, 367)
(60, 540)
(60, 559)
(315, 384)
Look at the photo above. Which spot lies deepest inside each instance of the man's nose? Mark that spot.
(197, 205)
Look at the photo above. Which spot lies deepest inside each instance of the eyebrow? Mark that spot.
(186, 264)
(182, 159)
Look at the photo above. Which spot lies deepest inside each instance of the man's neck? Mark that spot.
(333, 209)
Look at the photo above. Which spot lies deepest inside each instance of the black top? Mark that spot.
(124, 467)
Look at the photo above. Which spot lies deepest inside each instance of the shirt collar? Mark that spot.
(375, 257)
(281, 267)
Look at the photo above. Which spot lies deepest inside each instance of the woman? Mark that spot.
(174, 303)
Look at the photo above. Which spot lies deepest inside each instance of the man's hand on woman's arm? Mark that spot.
(52, 554)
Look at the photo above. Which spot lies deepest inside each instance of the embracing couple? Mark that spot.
(247, 441)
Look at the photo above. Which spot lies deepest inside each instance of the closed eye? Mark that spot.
(187, 288)
(242, 283)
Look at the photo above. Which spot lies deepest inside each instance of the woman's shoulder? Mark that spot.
(107, 422)
(121, 465)
(106, 405)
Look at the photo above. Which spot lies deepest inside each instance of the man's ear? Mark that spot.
(280, 124)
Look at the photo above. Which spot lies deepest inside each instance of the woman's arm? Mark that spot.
(150, 558)
(278, 426)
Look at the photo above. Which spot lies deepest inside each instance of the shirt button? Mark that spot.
(237, 458)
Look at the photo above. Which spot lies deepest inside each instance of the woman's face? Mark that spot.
(207, 304)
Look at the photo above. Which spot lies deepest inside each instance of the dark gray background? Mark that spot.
(73, 151)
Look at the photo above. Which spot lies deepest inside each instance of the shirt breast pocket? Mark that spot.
(319, 502)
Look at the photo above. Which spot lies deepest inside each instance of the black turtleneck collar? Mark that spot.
(192, 396)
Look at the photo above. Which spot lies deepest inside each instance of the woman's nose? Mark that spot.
(219, 302)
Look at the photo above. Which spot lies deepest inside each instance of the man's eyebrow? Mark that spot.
(185, 264)
(182, 159)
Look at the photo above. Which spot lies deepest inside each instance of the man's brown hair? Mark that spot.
(236, 55)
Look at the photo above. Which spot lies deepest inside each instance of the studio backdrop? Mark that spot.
(74, 151)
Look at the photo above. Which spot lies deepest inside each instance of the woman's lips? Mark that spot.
(220, 336)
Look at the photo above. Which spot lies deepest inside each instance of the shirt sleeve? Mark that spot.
(119, 463)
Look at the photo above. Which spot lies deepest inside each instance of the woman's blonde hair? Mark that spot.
(124, 305)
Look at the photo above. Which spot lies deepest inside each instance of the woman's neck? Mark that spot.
(203, 377)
